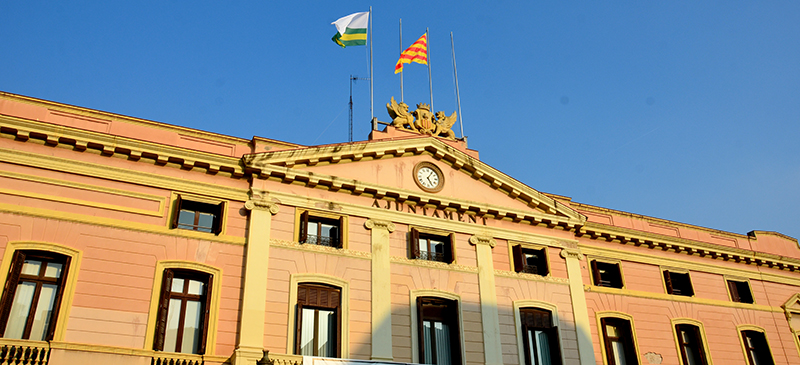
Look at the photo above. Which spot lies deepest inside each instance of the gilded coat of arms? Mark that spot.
(421, 120)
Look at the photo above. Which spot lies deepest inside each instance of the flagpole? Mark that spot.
(371, 101)
(401, 53)
(455, 73)
(430, 81)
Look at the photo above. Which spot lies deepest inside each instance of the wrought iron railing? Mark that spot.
(432, 256)
(323, 240)
(18, 354)
(530, 269)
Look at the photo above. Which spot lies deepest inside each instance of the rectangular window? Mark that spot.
(539, 337)
(678, 283)
(530, 261)
(691, 344)
(618, 338)
(32, 295)
(740, 291)
(197, 216)
(183, 310)
(438, 328)
(606, 274)
(425, 246)
(756, 347)
(318, 320)
(321, 231)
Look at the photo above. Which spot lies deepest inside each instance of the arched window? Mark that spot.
(32, 295)
(183, 311)
(690, 344)
(756, 348)
(539, 337)
(620, 348)
(439, 341)
(319, 318)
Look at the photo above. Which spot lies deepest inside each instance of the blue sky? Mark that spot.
(683, 110)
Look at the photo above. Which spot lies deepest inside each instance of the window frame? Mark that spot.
(166, 295)
(296, 280)
(748, 329)
(737, 297)
(632, 351)
(596, 276)
(451, 317)
(303, 301)
(448, 239)
(550, 328)
(700, 337)
(518, 252)
(195, 203)
(13, 278)
(303, 216)
(671, 285)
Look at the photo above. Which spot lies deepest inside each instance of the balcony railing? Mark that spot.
(177, 359)
(432, 256)
(24, 353)
(323, 240)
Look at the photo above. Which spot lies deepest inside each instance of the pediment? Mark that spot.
(384, 170)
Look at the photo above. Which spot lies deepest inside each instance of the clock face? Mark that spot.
(427, 177)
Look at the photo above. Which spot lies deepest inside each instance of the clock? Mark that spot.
(428, 177)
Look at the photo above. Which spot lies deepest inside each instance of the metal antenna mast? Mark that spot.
(353, 78)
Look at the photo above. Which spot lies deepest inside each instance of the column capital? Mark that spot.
(375, 223)
(262, 205)
(573, 253)
(482, 240)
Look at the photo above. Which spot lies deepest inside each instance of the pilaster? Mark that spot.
(381, 290)
(573, 256)
(492, 346)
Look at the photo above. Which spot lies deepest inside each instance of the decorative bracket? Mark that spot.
(482, 240)
(375, 223)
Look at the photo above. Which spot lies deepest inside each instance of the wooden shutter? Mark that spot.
(519, 258)
(420, 330)
(303, 237)
(668, 282)
(10, 289)
(414, 236)
(218, 215)
(698, 342)
(595, 273)
(201, 350)
(163, 309)
(734, 291)
(342, 227)
(555, 346)
(544, 267)
(627, 338)
(57, 303)
(177, 213)
(452, 251)
(455, 334)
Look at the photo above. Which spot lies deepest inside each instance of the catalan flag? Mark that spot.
(352, 30)
(418, 52)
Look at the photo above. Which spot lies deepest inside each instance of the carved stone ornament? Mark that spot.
(482, 240)
(571, 253)
(438, 125)
(375, 223)
(262, 205)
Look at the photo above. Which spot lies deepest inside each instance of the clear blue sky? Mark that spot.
(683, 110)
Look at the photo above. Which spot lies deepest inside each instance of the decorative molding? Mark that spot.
(262, 205)
(434, 264)
(375, 223)
(570, 253)
(320, 249)
(482, 240)
(531, 277)
(678, 298)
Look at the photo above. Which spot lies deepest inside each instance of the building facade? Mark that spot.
(129, 241)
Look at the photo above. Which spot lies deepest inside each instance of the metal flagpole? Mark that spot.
(401, 52)
(430, 81)
(455, 73)
(371, 104)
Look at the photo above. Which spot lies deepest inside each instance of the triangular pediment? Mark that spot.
(384, 169)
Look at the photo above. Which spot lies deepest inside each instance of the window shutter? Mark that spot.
(452, 252)
(595, 273)
(734, 291)
(206, 315)
(420, 331)
(342, 227)
(544, 267)
(57, 303)
(178, 203)
(668, 282)
(516, 251)
(415, 254)
(555, 347)
(303, 227)
(299, 322)
(455, 335)
(698, 342)
(217, 225)
(627, 337)
(10, 289)
(163, 308)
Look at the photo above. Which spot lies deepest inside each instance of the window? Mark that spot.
(756, 347)
(740, 291)
(182, 320)
(318, 320)
(438, 331)
(321, 231)
(425, 246)
(530, 261)
(678, 283)
(618, 340)
(539, 337)
(691, 344)
(197, 216)
(32, 295)
(606, 274)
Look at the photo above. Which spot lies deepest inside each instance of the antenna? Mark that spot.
(352, 79)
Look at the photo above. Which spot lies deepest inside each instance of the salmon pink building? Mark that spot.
(128, 241)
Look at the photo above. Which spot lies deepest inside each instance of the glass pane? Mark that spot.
(532, 348)
(423, 245)
(53, 270)
(691, 356)
(44, 308)
(173, 317)
(307, 333)
(196, 287)
(19, 310)
(177, 285)
(543, 348)
(191, 328)
(611, 331)
(442, 343)
(619, 352)
(531, 259)
(437, 246)
(326, 230)
(428, 345)
(186, 218)
(31, 267)
(327, 338)
(205, 222)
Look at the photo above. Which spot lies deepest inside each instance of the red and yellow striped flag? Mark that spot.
(418, 52)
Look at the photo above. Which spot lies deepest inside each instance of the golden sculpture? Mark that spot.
(421, 120)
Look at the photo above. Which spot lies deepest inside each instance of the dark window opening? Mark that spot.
(432, 247)
(439, 332)
(691, 344)
(740, 292)
(678, 283)
(183, 311)
(196, 216)
(539, 337)
(530, 261)
(606, 274)
(757, 349)
(318, 320)
(619, 345)
(321, 231)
